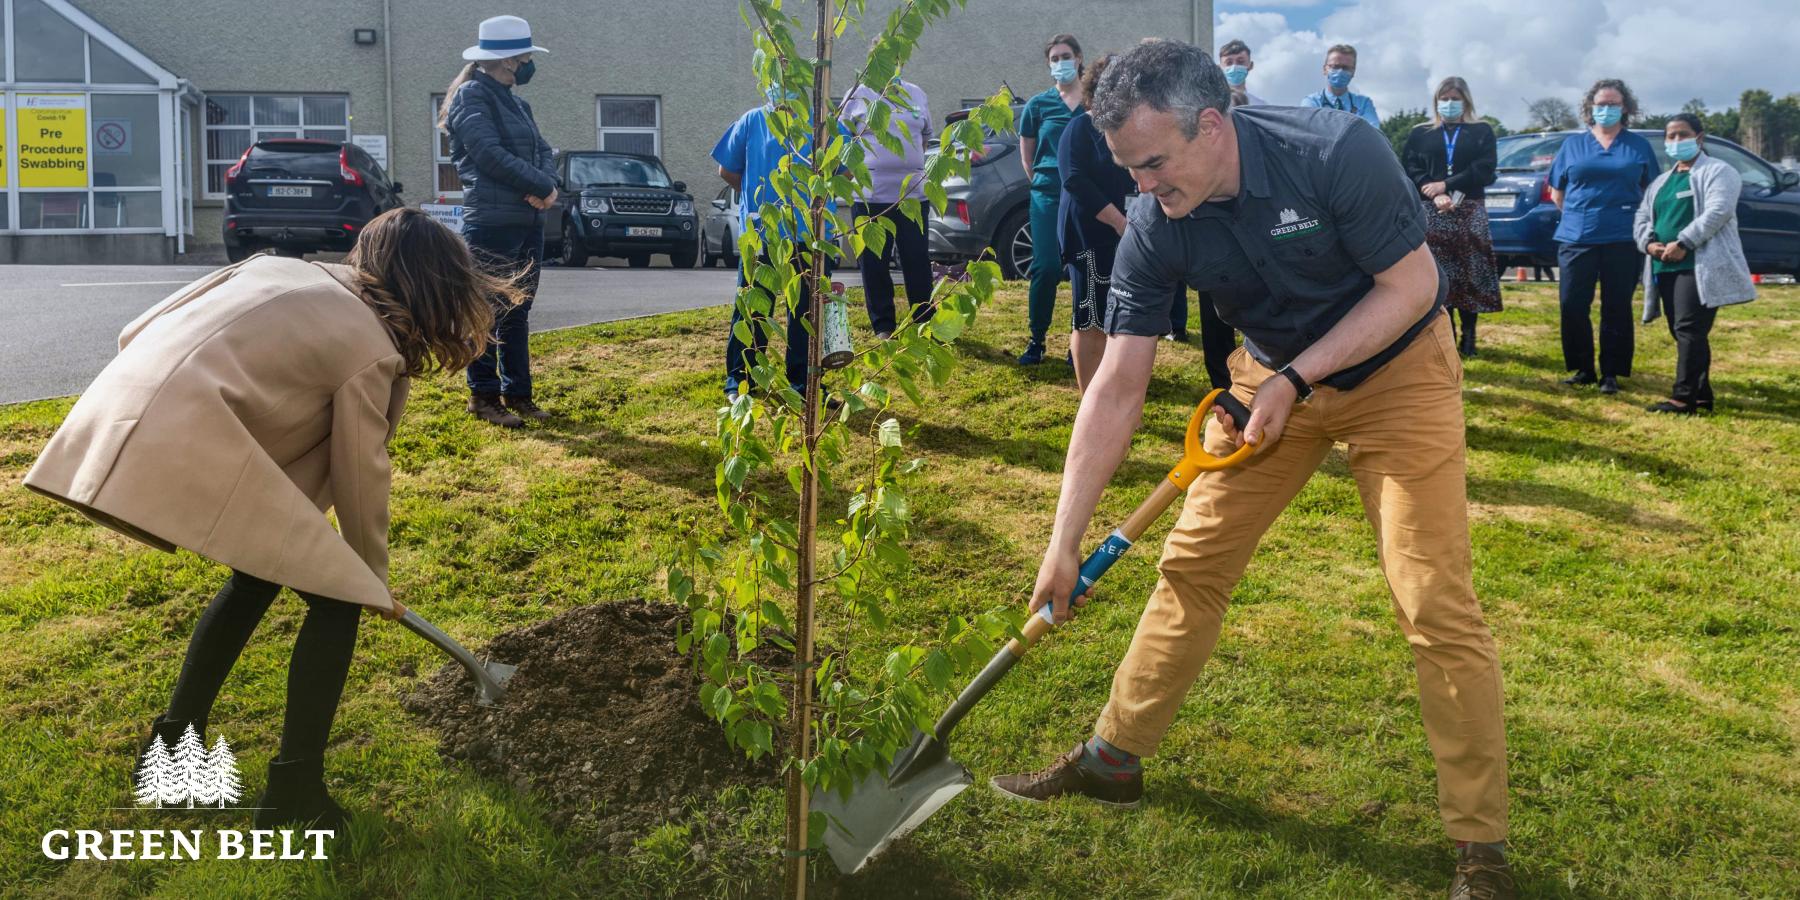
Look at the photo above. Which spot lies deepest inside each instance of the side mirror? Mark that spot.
(680, 186)
(719, 205)
(1790, 179)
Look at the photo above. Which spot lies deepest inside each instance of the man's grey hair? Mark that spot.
(1168, 76)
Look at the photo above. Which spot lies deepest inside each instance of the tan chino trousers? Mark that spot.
(1404, 429)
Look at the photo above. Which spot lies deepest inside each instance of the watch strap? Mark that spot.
(1302, 390)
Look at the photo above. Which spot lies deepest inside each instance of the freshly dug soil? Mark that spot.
(602, 722)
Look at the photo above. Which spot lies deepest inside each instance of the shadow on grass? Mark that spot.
(1563, 450)
(1045, 456)
(1532, 493)
(688, 467)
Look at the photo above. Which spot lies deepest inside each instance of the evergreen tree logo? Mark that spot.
(188, 773)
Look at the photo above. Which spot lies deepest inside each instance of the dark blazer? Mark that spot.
(1424, 157)
(1090, 182)
(498, 154)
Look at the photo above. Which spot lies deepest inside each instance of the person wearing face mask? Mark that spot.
(1041, 126)
(509, 179)
(1234, 60)
(1695, 263)
(1340, 67)
(1598, 180)
(1451, 160)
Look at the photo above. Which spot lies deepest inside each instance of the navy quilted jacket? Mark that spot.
(498, 153)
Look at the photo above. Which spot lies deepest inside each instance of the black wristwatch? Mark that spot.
(1302, 390)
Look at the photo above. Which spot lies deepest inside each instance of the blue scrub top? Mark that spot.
(1601, 187)
(751, 149)
(1349, 101)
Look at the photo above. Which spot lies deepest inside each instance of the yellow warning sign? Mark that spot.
(53, 141)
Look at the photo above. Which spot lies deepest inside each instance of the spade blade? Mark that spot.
(885, 808)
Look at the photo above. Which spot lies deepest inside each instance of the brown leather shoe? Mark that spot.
(1066, 776)
(487, 408)
(524, 408)
(1482, 874)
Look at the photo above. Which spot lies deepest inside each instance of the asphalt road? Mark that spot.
(59, 325)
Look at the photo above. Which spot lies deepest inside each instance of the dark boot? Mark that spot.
(1466, 346)
(296, 797)
(487, 408)
(170, 730)
(524, 408)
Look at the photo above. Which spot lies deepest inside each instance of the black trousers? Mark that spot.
(910, 246)
(1616, 268)
(1217, 339)
(316, 671)
(1690, 323)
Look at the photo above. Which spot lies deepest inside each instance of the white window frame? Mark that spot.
(601, 129)
(163, 85)
(264, 132)
(438, 137)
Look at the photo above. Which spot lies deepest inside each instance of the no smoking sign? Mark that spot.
(112, 136)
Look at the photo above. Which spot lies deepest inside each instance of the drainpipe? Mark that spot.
(387, 55)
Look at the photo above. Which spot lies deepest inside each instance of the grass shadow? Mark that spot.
(1563, 450)
(1533, 493)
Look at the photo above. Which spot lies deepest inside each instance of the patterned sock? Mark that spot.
(1102, 758)
(1497, 846)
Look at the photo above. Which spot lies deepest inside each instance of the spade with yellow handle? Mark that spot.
(883, 808)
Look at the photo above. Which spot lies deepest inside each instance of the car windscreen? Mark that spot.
(1528, 151)
(589, 171)
(275, 160)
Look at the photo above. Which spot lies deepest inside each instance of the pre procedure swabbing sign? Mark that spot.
(53, 141)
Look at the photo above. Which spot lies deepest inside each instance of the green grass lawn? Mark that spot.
(1640, 574)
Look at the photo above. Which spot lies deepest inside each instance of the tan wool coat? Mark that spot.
(237, 411)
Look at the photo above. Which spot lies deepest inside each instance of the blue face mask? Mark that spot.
(1339, 78)
(1450, 110)
(1682, 150)
(1608, 116)
(1235, 75)
(522, 74)
(1063, 71)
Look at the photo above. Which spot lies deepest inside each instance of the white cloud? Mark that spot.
(1514, 51)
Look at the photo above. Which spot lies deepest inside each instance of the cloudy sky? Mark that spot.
(1513, 51)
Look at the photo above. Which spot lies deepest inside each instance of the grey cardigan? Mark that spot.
(1720, 271)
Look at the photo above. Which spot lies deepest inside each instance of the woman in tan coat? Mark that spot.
(241, 408)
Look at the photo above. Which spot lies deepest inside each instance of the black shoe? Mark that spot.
(1482, 874)
(1609, 385)
(296, 797)
(1579, 379)
(170, 730)
(524, 408)
(1670, 406)
(1066, 776)
(487, 408)
(1034, 354)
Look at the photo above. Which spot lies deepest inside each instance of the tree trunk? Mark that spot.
(812, 284)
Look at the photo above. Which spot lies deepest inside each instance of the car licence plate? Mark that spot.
(1501, 201)
(643, 231)
(290, 190)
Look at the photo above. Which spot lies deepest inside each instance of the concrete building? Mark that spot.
(163, 97)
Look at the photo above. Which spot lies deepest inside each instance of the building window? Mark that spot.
(235, 121)
(444, 181)
(630, 125)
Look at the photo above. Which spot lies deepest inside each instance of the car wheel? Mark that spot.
(685, 257)
(237, 253)
(639, 260)
(707, 257)
(728, 249)
(574, 255)
(1012, 244)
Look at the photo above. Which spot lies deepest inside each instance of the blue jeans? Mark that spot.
(505, 368)
(737, 355)
(1046, 264)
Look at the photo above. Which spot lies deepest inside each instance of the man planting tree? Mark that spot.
(1305, 229)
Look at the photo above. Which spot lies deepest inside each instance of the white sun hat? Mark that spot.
(502, 37)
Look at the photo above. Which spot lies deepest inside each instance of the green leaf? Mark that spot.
(889, 432)
(938, 670)
(775, 616)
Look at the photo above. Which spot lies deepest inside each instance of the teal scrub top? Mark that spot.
(1044, 118)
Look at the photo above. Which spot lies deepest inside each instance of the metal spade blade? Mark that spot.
(885, 808)
(490, 677)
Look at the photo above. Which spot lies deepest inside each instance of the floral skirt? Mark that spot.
(1465, 250)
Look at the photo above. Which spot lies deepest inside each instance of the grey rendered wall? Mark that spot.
(694, 54)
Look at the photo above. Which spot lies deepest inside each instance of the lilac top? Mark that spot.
(886, 170)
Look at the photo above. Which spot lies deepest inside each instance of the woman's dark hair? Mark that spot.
(420, 278)
(443, 119)
(1069, 39)
(1631, 105)
(1091, 77)
(1691, 121)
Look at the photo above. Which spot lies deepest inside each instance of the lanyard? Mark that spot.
(1451, 136)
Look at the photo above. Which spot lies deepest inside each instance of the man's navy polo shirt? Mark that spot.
(1323, 207)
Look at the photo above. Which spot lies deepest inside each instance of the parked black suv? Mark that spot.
(301, 196)
(620, 204)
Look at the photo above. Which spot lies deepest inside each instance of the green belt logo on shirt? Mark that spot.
(1292, 226)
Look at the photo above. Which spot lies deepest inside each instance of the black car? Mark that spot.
(620, 204)
(302, 196)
